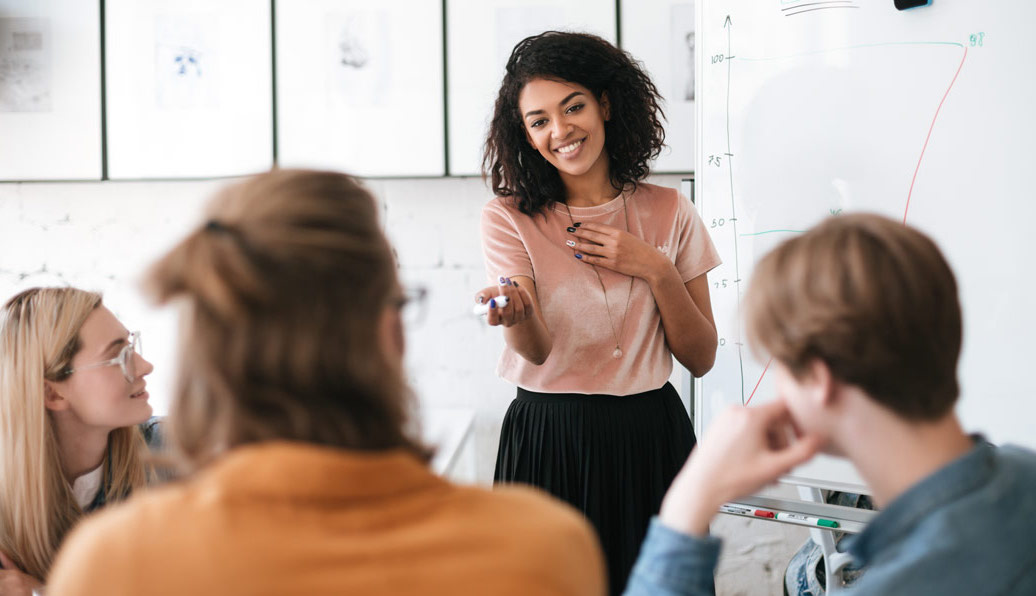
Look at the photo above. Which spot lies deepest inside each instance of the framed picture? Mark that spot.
(50, 90)
(660, 33)
(360, 86)
(480, 37)
(189, 88)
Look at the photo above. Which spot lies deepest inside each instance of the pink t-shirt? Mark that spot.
(571, 299)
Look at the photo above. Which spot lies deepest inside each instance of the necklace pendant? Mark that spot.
(617, 353)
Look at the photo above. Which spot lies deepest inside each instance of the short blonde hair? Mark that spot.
(283, 287)
(872, 298)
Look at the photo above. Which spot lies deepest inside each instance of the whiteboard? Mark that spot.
(660, 34)
(189, 88)
(808, 109)
(360, 86)
(480, 35)
(50, 90)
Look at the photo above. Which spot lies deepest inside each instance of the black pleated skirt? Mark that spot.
(611, 457)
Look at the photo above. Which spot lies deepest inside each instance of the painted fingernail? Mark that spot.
(579, 256)
(577, 224)
(570, 243)
(570, 229)
(481, 300)
(492, 303)
(516, 284)
(502, 280)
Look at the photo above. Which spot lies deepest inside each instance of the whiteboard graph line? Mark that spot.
(791, 14)
(910, 192)
(733, 212)
(757, 383)
(764, 232)
(827, 2)
(852, 47)
(906, 210)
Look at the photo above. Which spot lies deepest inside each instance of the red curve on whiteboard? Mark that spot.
(758, 382)
(930, 128)
(910, 193)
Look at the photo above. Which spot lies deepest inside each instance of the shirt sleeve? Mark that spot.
(674, 564)
(153, 435)
(505, 253)
(695, 252)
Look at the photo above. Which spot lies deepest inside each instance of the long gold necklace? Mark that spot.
(616, 335)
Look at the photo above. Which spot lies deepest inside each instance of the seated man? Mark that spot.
(862, 320)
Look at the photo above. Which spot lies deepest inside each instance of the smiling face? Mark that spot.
(102, 397)
(565, 123)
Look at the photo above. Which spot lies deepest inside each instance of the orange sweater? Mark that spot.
(290, 518)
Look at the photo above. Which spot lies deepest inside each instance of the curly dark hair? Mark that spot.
(633, 135)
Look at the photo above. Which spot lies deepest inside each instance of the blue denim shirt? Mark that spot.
(969, 528)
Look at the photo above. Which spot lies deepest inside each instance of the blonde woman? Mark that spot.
(72, 394)
(293, 413)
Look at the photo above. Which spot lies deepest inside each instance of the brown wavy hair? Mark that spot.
(633, 135)
(872, 298)
(282, 290)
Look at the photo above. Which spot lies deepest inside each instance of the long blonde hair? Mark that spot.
(39, 335)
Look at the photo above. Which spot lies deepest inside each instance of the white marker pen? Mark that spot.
(735, 509)
(482, 309)
(806, 520)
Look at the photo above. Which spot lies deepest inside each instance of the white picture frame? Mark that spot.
(479, 37)
(189, 88)
(50, 90)
(360, 86)
(671, 66)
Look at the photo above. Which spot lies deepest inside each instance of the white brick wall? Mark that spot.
(102, 235)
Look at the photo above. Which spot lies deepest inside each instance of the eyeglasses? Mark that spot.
(125, 359)
(411, 305)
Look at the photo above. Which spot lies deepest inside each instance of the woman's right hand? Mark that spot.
(15, 583)
(519, 305)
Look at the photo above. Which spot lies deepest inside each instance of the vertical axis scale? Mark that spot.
(733, 219)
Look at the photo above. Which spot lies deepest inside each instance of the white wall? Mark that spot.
(101, 236)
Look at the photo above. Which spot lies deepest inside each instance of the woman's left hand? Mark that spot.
(618, 250)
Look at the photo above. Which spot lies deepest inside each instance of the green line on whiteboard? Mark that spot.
(866, 45)
(773, 232)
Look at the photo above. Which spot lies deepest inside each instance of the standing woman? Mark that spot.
(605, 280)
(72, 394)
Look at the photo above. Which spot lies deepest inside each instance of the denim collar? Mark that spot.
(962, 476)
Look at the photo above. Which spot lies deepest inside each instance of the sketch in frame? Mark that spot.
(25, 65)
(186, 62)
(359, 59)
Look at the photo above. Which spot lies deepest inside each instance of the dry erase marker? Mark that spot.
(806, 519)
(764, 513)
(481, 309)
(735, 509)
